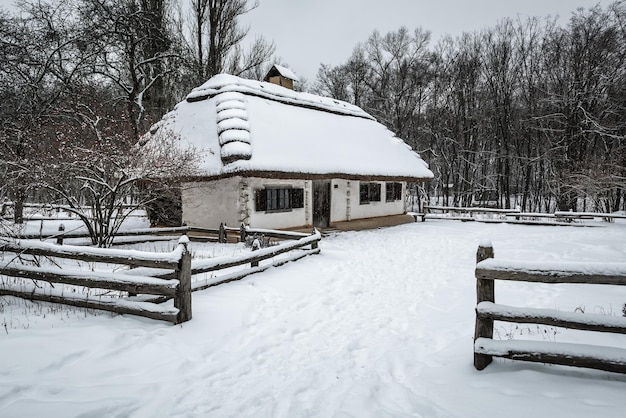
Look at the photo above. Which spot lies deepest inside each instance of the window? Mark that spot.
(393, 191)
(369, 192)
(278, 199)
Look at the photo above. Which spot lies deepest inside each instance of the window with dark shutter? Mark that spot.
(297, 198)
(369, 192)
(278, 199)
(389, 192)
(260, 200)
(364, 193)
(393, 191)
(374, 192)
(397, 191)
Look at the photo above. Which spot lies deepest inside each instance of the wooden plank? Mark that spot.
(471, 209)
(450, 218)
(285, 235)
(120, 306)
(572, 320)
(530, 215)
(577, 355)
(588, 215)
(120, 282)
(548, 276)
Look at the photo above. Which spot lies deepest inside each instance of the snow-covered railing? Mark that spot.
(491, 215)
(462, 213)
(489, 269)
(149, 286)
(254, 258)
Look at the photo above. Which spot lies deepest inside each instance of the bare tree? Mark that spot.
(133, 40)
(99, 172)
(42, 54)
(213, 36)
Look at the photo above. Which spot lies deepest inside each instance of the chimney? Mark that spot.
(281, 76)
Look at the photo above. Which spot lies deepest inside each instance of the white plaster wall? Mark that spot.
(287, 219)
(341, 196)
(345, 202)
(231, 201)
(207, 204)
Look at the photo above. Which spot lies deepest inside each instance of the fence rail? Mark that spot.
(489, 269)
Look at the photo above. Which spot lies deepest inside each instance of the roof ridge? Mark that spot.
(227, 83)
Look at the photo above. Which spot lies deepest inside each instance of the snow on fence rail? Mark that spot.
(156, 277)
(489, 269)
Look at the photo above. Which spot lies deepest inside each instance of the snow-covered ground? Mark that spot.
(380, 324)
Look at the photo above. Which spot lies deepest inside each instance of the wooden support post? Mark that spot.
(315, 243)
(221, 237)
(242, 233)
(182, 300)
(485, 292)
(60, 237)
(256, 244)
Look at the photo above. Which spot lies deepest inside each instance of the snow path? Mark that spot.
(379, 325)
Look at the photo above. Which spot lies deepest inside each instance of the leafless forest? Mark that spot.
(529, 112)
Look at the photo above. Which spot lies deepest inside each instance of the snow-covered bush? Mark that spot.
(263, 241)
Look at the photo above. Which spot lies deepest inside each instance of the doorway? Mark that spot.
(321, 203)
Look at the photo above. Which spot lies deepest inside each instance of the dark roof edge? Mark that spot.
(281, 175)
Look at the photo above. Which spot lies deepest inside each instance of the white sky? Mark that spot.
(310, 32)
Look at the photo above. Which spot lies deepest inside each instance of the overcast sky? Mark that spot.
(310, 32)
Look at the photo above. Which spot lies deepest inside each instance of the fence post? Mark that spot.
(60, 237)
(485, 292)
(221, 236)
(256, 244)
(314, 244)
(242, 233)
(182, 299)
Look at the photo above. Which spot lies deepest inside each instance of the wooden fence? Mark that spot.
(461, 214)
(490, 215)
(148, 288)
(221, 234)
(177, 287)
(249, 263)
(489, 269)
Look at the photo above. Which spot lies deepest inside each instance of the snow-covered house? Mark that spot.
(276, 158)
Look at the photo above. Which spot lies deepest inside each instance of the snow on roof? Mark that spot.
(244, 126)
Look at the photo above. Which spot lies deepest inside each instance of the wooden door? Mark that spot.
(321, 203)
